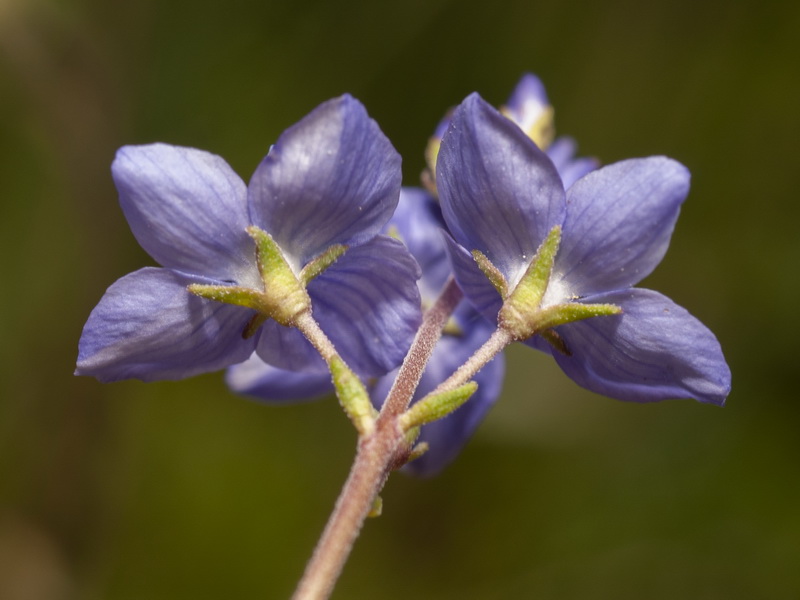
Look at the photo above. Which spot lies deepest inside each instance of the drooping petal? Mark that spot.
(187, 209)
(332, 178)
(446, 437)
(148, 326)
(619, 222)
(499, 193)
(367, 303)
(286, 348)
(476, 286)
(266, 383)
(654, 350)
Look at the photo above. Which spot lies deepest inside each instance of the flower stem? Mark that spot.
(378, 453)
(491, 348)
(405, 384)
(308, 326)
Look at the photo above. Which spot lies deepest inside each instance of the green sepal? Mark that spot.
(561, 314)
(452, 328)
(492, 273)
(231, 294)
(253, 324)
(417, 451)
(556, 341)
(435, 406)
(317, 265)
(353, 396)
(285, 296)
(522, 305)
(377, 508)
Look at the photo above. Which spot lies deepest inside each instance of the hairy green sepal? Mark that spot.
(522, 313)
(321, 262)
(353, 396)
(523, 303)
(492, 273)
(436, 406)
(283, 296)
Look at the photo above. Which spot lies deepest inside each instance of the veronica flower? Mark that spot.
(330, 182)
(507, 209)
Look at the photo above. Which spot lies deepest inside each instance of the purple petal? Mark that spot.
(477, 288)
(418, 221)
(188, 210)
(619, 222)
(286, 348)
(265, 383)
(654, 350)
(448, 436)
(367, 303)
(562, 153)
(500, 194)
(527, 102)
(148, 326)
(333, 178)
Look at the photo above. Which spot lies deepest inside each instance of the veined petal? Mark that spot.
(266, 383)
(148, 326)
(499, 193)
(367, 303)
(654, 350)
(619, 222)
(285, 348)
(187, 209)
(477, 288)
(333, 178)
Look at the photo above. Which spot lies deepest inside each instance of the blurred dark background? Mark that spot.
(181, 490)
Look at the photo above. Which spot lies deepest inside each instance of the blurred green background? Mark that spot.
(181, 490)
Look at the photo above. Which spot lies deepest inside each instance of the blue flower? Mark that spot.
(529, 108)
(333, 178)
(418, 222)
(502, 196)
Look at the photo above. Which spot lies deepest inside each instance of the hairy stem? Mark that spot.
(491, 348)
(378, 452)
(405, 384)
(308, 326)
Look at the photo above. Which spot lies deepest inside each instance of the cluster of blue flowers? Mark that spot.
(543, 244)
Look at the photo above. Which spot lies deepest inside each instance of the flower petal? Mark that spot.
(619, 222)
(418, 222)
(562, 153)
(477, 288)
(654, 350)
(265, 383)
(187, 209)
(528, 101)
(148, 326)
(333, 178)
(500, 194)
(446, 437)
(367, 303)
